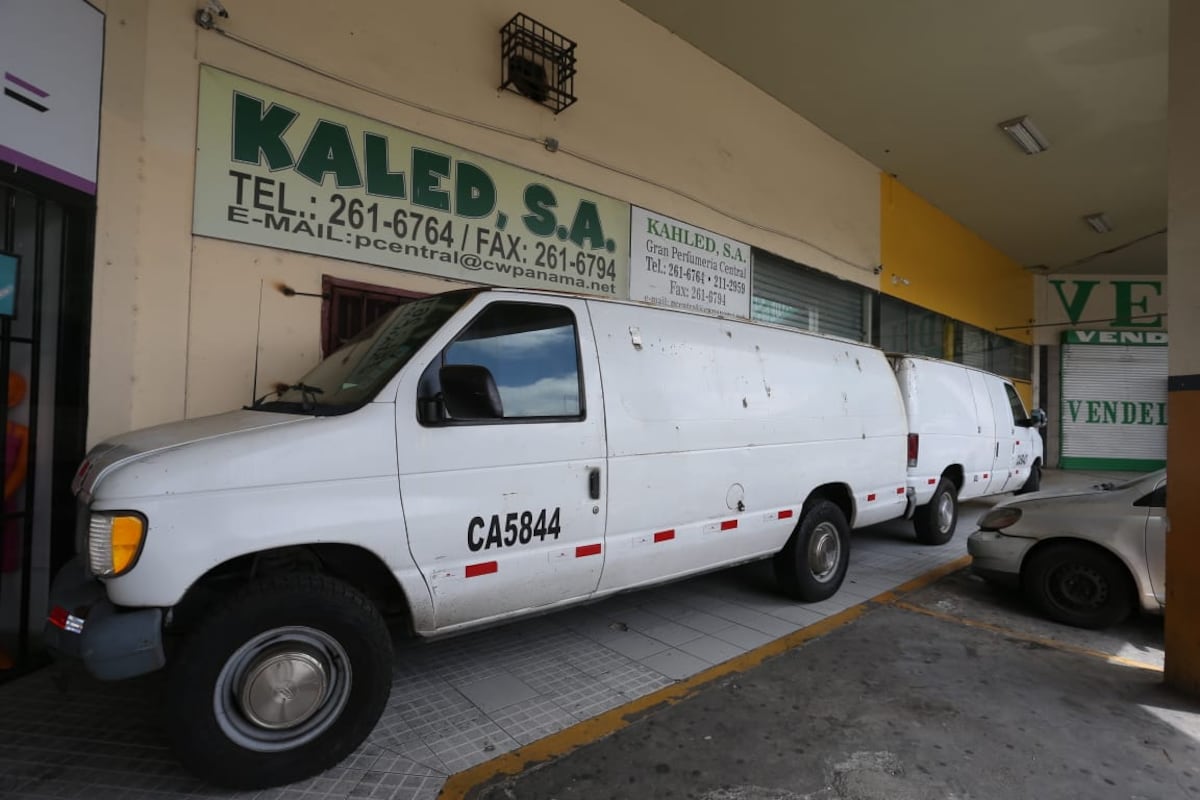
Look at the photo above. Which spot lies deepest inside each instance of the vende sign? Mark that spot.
(1119, 302)
(1115, 337)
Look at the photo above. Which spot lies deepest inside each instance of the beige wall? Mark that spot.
(177, 317)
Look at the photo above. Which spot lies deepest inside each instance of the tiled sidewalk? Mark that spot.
(458, 702)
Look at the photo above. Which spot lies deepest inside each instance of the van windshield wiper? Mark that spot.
(307, 392)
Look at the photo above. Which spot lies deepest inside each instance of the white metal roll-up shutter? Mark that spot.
(1113, 409)
(789, 294)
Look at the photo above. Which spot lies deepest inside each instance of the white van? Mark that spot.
(968, 436)
(475, 456)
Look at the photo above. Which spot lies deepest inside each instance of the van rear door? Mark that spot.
(506, 513)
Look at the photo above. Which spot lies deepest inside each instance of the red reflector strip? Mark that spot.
(870, 498)
(486, 568)
(786, 514)
(58, 617)
(61, 618)
(900, 490)
(664, 536)
(985, 474)
(729, 524)
(587, 550)
(932, 481)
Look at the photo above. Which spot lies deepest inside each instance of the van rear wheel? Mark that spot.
(935, 521)
(281, 682)
(812, 565)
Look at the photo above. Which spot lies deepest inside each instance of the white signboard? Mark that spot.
(51, 59)
(279, 170)
(1099, 302)
(681, 266)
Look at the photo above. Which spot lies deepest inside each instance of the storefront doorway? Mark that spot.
(46, 234)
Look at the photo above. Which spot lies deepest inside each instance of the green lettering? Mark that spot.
(329, 150)
(474, 192)
(539, 201)
(1073, 406)
(1093, 407)
(587, 227)
(1125, 305)
(1162, 413)
(1075, 306)
(1147, 413)
(1129, 413)
(429, 169)
(1110, 412)
(257, 133)
(380, 182)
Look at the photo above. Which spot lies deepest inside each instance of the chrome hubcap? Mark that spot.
(824, 551)
(945, 512)
(282, 689)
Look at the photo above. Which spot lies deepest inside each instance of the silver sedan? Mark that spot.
(1085, 558)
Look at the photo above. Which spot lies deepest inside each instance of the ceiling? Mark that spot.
(917, 87)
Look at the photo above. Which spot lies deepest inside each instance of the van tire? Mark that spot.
(1034, 482)
(935, 521)
(812, 565)
(306, 637)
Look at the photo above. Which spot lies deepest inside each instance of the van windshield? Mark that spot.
(355, 373)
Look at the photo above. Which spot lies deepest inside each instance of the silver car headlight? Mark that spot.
(1000, 518)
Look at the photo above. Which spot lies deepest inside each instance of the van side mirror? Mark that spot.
(469, 392)
(1036, 419)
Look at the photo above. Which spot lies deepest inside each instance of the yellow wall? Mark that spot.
(177, 324)
(948, 268)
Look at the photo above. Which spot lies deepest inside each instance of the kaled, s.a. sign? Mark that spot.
(279, 170)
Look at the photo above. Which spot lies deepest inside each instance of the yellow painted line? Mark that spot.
(590, 730)
(1027, 637)
(922, 580)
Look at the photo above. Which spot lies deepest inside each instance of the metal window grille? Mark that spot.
(538, 63)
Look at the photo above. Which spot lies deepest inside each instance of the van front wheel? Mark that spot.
(935, 521)
(283, 681)
(813, 563)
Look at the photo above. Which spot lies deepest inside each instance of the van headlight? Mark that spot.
(114, 542)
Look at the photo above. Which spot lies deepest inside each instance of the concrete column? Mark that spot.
(1183, 321)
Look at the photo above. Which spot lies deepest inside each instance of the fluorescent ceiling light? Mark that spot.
(1027, 137)
(1098, 222)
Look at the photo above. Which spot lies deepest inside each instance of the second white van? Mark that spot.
(968, 436)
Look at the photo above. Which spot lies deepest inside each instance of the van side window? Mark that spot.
(1014, 400)
(532, 353)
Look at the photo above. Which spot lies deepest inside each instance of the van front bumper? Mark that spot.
(112, 643)
(998, 557)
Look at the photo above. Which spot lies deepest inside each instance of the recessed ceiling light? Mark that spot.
(1098, 222)
(1027, 137)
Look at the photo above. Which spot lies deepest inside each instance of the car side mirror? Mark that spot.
(469, 392)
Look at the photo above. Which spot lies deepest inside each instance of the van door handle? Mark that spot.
(594, 483)
(997, 449)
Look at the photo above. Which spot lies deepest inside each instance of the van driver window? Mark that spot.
(1014, 400)
(531, 351)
